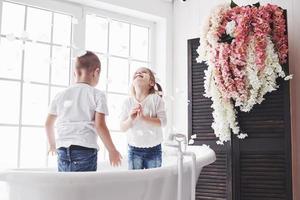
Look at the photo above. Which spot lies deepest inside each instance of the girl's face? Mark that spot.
(142, 77)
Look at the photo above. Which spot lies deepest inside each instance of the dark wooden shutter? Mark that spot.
(262, 162)
(215, 179)
(257, 168)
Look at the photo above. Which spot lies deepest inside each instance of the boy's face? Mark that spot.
(96, 76)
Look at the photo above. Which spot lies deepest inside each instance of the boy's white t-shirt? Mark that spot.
(142, 134)
(75, 109)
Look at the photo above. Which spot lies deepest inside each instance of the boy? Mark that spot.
(80, 112)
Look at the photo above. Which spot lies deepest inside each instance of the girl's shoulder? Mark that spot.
(156, 97)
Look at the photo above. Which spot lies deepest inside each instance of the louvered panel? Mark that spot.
(212, 183)
(263, 176)
(201, 106)
(266, 120)
(215, 180)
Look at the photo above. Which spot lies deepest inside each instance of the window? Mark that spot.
(37, 47)
(122, 47)
(35, 59)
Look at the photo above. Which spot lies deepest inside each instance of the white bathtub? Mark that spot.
(108, 183)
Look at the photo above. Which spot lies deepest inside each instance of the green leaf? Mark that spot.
(232, 4)
(225, 38)
(256, 4)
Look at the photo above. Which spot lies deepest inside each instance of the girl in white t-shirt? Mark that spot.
(143, 115)
(80, 115)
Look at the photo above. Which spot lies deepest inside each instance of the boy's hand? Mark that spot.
(52, 150)
(115, 158)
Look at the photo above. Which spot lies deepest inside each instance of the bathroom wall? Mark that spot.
(187, 18)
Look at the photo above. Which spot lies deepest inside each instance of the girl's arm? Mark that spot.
(161, 119)
(151, 120)
(103, 132)
(127, 123)
(49, 125)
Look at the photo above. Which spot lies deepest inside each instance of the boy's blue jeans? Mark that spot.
(76, 159)
(144, 158)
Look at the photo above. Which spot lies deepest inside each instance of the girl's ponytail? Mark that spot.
(158, 89)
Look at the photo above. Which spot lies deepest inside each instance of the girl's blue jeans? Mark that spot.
(76, 159)
(144, 158)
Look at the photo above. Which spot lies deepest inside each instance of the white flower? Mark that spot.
(230, 28)
(289, 77)
(10, 37)
(194, 136)
(220, 142)
(242, 135)
(191, 141)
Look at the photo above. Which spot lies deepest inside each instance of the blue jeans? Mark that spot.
(144, 158)
(76, 159)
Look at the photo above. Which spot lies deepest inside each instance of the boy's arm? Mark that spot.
(103, 132)
(49, 125)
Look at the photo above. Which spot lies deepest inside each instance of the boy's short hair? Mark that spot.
(89, 61)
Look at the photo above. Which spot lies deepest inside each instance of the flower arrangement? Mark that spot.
(244, 47)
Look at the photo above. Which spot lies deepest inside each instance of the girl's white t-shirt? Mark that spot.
(142, 134)
(75, 109)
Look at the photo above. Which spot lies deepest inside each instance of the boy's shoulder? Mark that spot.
(98, 93)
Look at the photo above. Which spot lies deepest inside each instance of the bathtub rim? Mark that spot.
(201, 160)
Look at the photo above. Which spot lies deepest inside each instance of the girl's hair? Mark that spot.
(156, 89)
(89, 62)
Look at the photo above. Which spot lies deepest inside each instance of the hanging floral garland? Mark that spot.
(244, 48)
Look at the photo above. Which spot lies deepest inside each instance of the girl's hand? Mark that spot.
(134, 112)
(52, 150)
(140, 113)
(115, 158)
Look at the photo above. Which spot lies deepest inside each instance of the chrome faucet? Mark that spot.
(180, 139)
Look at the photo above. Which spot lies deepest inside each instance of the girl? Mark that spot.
(143, 115)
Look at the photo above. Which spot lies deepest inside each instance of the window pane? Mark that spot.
(11, 59)
(96, 33)
(33, 147)
(39, 24)
(37, 61)
(103, 74)
(136, 65)
(9, 102)
(139, 42)
(60, 66)
(62, 29)
(52, 161)
(120, 141)
(118, 75)
(115, 103)
(12, 19)
(119, 38)
(8, 147)
(35, 104)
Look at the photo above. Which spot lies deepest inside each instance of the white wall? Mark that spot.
(187, 18)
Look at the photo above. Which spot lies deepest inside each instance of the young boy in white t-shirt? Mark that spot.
(80, 113)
